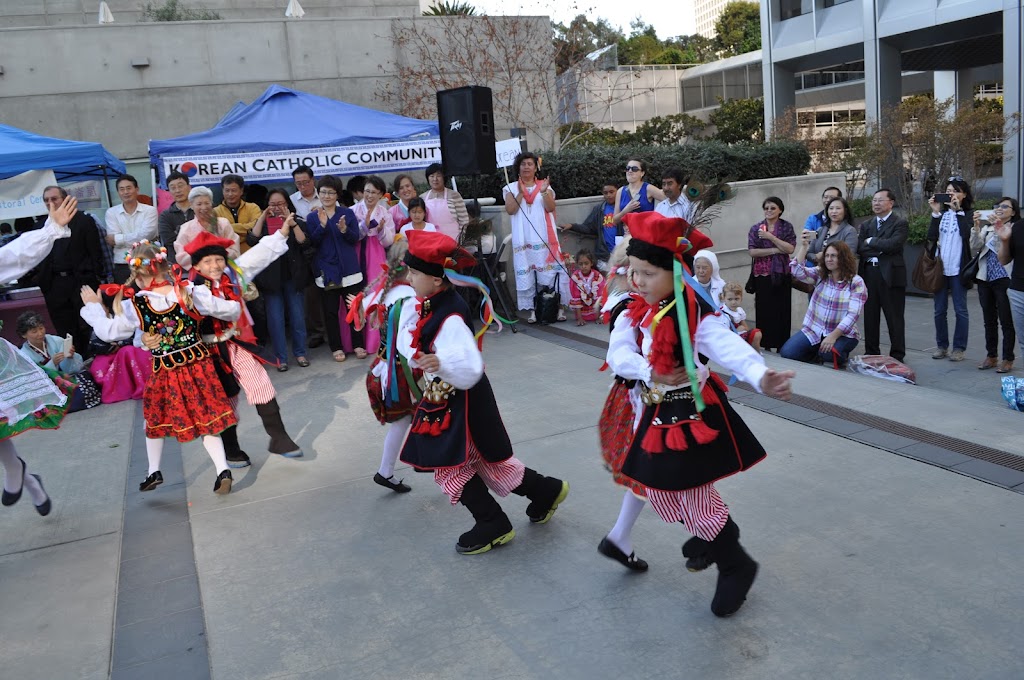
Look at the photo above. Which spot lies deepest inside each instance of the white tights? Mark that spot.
(14, 473)
(393, 440)
(213, 444)
(621, 533)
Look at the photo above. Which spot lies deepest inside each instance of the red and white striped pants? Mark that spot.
(251, 375)
(500, 478)
(700, 509)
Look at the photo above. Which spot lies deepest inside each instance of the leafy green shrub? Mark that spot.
(582, 170)
(918, 228)
(861, 207)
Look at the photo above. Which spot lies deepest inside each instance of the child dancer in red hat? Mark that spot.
(686, 436)
(230, 338)
(456, 429)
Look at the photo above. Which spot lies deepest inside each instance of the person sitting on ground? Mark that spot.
(49, 352)
(829, 331)
(586, 286)
(705, 270)
(732, 298)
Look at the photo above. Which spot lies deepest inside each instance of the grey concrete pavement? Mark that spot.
(872, 564)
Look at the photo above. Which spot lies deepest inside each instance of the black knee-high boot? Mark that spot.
(237, 458)
(736, 570)
(545, 494)
(280, 442)
(492, 526)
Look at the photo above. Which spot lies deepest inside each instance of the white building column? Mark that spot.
(1013, 98)
(957, 85)
(883, 78)
(779, 83)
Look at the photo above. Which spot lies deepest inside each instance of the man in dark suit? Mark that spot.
(880, 248)
(73, 262)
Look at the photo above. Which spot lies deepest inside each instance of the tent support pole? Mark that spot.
(106, 185)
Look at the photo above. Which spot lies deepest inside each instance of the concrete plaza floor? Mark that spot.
(872, 564)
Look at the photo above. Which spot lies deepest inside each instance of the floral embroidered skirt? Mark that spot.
(616, 433)
(186, 402)
(46, 418)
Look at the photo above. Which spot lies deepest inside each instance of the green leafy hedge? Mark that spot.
(581, 171)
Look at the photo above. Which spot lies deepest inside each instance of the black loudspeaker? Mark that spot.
(465, 116)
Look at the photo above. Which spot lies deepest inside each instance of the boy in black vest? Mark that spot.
(456, 430)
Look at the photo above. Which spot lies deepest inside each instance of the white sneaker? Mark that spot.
(533, 317)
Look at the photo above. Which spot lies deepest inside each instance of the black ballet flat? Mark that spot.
(223, 484)
(151, 482)
(630, 561)
(8, 498)
(397, 487)
(44, 507)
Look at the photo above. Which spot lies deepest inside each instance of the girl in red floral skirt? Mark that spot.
(184, 398)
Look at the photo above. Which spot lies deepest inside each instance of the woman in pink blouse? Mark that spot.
(829, 331)
(201, 200)
(406, 191)
(379, 228)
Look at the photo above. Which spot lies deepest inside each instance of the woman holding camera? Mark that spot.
(282, 283)
(950, 233)
(994, 283)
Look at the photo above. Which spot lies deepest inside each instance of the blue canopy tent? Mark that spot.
(285, 128)
(21, 151)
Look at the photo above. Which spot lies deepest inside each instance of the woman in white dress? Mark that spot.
(536, 254)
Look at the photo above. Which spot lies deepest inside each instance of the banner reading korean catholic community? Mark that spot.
(271, 166)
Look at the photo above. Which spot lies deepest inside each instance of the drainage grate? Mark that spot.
(1003, 458)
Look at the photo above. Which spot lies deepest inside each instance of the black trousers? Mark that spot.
(332, 301)
(995, 308)
(63, 302)
(887, 300)
(773, 310)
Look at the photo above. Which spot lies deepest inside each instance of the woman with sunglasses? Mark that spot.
(770, 242)
(637, 195)
(994, 281)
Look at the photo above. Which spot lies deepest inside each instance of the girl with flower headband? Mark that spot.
(686, 436)
(31, 398)
(183, 399)
(456, 429)
(391, 383)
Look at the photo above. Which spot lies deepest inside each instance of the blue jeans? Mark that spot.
(955, 288)
(276, 303)
(800, 348)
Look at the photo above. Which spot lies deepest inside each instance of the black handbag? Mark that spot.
(547, 301)
(970, 272)
(749, 287)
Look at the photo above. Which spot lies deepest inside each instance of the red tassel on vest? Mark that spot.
(702, 433)
(652, 442)
(676, 439)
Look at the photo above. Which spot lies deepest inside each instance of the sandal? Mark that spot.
(302, 361)
(533, 317)
(360, 353)
(339, 356)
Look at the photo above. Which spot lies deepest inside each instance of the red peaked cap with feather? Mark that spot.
(665, 233)
(431, 252)
(207, 244)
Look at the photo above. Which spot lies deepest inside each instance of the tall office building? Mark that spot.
(707, 12)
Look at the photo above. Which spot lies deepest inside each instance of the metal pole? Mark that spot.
(106, 185)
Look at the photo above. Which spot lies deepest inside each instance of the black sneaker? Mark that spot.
(541, 510)
(223, 484)
(153, 481)
(238, 459)
(484, 536)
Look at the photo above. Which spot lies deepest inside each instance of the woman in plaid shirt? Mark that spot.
(829, 331)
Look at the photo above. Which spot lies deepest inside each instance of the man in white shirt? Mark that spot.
(128, 223)
(673, 182)
(305, 199)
